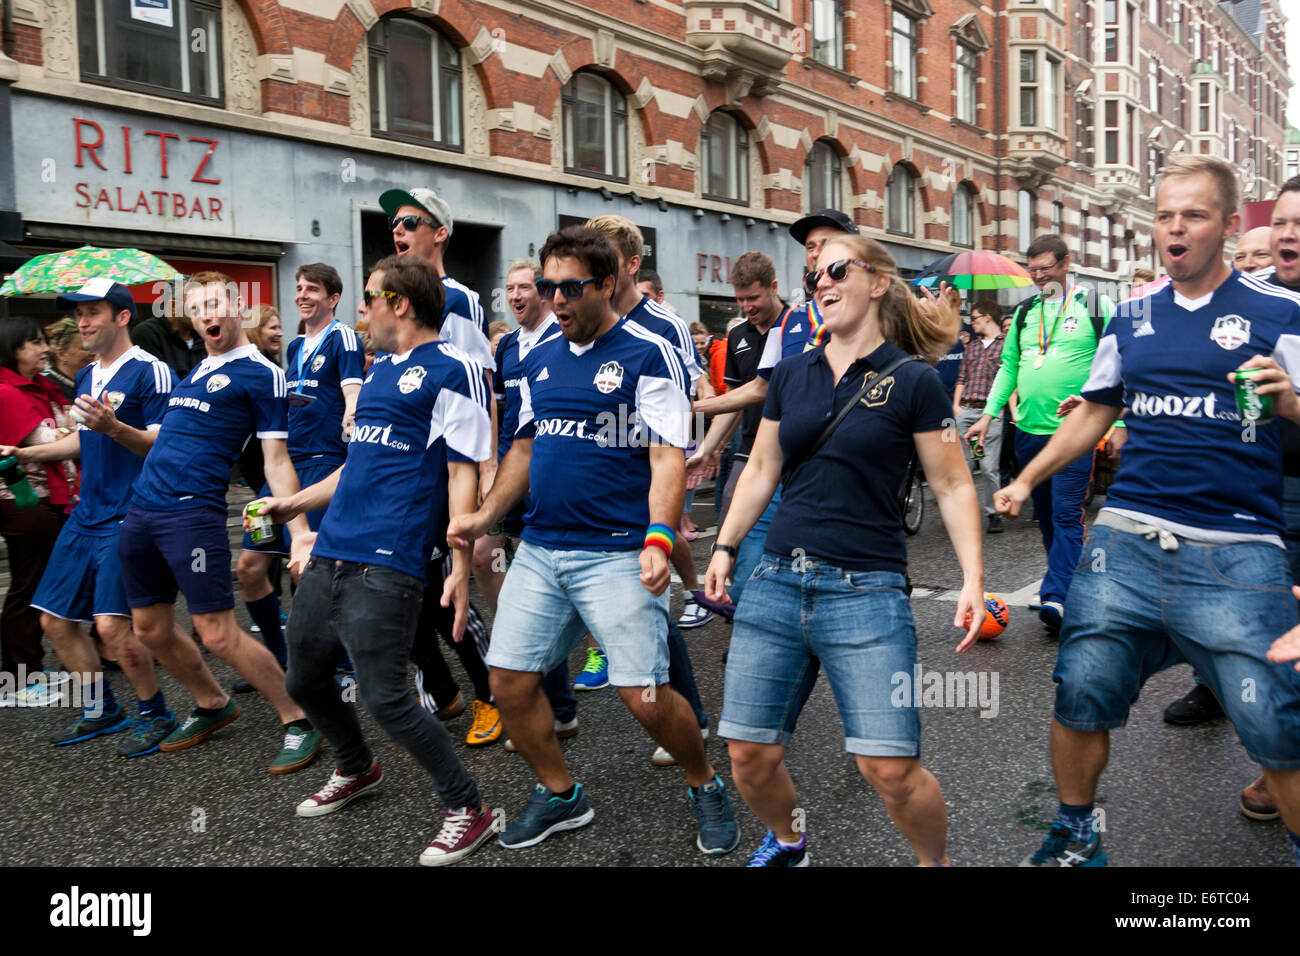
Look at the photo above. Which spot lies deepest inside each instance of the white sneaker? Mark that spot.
(568, 728)
(46, 691)
(693, 615)
(662, 758)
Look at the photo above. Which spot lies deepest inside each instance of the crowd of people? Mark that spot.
(553, 460)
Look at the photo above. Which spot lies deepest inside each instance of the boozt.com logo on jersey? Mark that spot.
(1179, 406)
(378, 435)
(217, 382)
(609, 377)
(411, 379)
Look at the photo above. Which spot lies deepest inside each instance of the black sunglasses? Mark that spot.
(409, 223)
(836, 271)
(378, 293)
(570, 288)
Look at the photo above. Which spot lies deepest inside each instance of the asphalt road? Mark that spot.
(1169, 795)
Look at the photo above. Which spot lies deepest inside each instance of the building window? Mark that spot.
(963, 216)
(724, 158)
(1028, 88)
(828, 32)
(1051, 70)
(901, 201)
(1025, 218)
(1105, 226)
(904, 55)
(967, 73)
(1154, 162)
(1203, 111)
(153, 49)
(414, 83)
(595, 127)
(1110, 143)
(1110, 51)
(822, 176)
(1058, 217)
(1153, 85)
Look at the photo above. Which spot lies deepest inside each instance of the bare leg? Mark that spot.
(668, 719)
(134, 657)
(489, 566)
(764, 782)
(684, 563)
(222, 636)
(915, 804)
(72, 644)
(1078, 758)
(252, 568)
(1284, 786)
(530, 723)
(155, 625)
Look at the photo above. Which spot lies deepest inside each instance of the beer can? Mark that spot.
(260, 528)
(976, 448)
(1252, 406)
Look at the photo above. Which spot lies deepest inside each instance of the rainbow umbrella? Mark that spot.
(59, 272)
(974, 270)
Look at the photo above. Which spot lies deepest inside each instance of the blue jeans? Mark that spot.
(724, 470)
(858, 625)
(1058, 506)
(1135, 609)
(751, 548)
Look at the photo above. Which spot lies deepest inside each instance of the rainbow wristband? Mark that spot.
(660, 536)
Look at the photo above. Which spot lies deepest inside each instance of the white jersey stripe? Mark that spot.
(669, 353)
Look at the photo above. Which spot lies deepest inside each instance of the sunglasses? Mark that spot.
(381, 293)
(409, 223)
(570, 288)
(836, 272)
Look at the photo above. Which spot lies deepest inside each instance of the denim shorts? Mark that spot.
(551, 598)
(1135, 608)
(858, 625)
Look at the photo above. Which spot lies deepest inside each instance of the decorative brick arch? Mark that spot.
(266, 20)
(749, 108)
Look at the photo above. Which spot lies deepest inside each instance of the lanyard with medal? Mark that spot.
(297, 399)
(1045, 337)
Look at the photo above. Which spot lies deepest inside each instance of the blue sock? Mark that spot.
(1295, 845)
(266, 614)
(101, 696)
(155, 706)
(1078, 819)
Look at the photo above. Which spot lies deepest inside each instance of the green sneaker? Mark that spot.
(301, 747)
(197, 729)
(87, 727)
(147, 734)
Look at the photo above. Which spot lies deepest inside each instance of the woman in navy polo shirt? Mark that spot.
(831, 589)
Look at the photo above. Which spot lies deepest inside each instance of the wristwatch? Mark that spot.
(723, 547)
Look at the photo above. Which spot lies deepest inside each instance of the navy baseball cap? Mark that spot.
(114, 293)
(827, 217)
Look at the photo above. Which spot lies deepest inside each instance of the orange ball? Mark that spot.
(995, 621)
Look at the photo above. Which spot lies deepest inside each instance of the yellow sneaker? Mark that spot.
(487, 725)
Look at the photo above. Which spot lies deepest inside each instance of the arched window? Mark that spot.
(595, 127)
(724, 159)
(963, 216)
(822, 176)
(414, 83)
(901, 201)
(1025, 218)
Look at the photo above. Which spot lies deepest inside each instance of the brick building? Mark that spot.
(258, 134)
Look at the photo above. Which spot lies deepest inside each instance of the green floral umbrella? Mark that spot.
(59, 272)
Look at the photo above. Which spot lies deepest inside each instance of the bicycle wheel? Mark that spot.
(913, 501)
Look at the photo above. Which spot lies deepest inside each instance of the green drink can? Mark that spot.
(976, 449)
(260, 528)
(1253, 406)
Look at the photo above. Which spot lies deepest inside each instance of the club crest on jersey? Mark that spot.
(1230, 332)
(116, 399)
(1070, 324)
(317, 362)
(411, 379)
(609, 377)
(217, 383)
(878, 394)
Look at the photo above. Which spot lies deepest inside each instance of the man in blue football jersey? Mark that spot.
(174, 534)
(1186, 561)
(603, 418)
(121, 399)
(421, 427)
(324, 377)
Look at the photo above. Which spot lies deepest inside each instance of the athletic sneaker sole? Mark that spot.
(98, 733)
(199, 737)
(322, 809)
(719, 851)
(1257, 815)
(577, 686)
(571, 824)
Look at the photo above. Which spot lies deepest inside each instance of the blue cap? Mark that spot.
(114, 293)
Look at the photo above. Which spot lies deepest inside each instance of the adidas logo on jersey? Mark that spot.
(792, 329)
(743, 345)
(1144, 329)
(546, 373)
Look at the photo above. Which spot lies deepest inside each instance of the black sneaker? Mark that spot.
(1197, 706)
(995, 524)
(147, 734)
(1060, 848)
(242, 686)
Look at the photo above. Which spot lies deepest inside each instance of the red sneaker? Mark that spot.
(341, 790)
(462, 831)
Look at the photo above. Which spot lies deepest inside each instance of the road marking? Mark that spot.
(1022, 598)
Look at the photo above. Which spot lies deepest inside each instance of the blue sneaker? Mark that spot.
(719, 832)
(148, 733)
(1060, 848)
(771, 852)
(544, 814)
(87, 727)
(595, 674)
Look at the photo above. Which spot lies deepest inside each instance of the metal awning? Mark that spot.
(62, 236)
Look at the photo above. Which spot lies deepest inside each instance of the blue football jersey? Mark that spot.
(138, 386)
(649, 314)
(1190, 458)
(464, 324)
(792, 334)
(318, 370)
(415, 413)
(511, 352)
(210, 416)
(591, 411)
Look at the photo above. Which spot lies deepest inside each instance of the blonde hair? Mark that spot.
(623, 233)
(531, 264)
(904, 320)
(1193, 164)
(59, 334)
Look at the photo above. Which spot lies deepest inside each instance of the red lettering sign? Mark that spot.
(89, 147)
